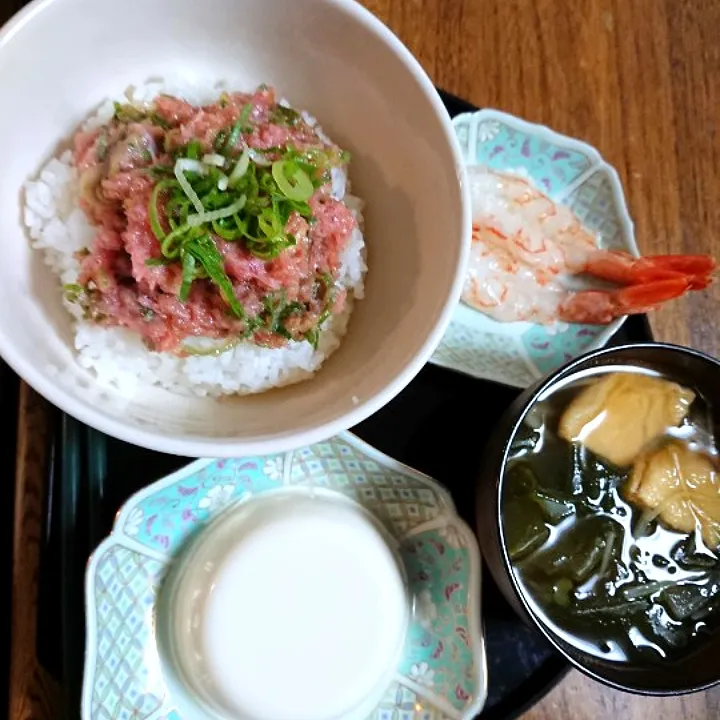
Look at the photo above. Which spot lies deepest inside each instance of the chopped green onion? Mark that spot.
(277, 310)
(156, 119)
(221, 140)
(269, 222)
(268, 250)
(183, 165)
(238, 127)
(194, 221)
(223, 182)
(214, 159)
(214, 349)
(240, 168)
(170, 245)
(101, 146)
(155, 224)
(73, 292)
(160, 170)
(205, 251)
(177, 207)
(245, 114)
(190, 165)
(281, 114)
(260, 159)
(293, 182)
(127, 113)
(221, 229)
(188, 275)
(194, 150)
(313, 337)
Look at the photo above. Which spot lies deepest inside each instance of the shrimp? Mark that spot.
(526, 248)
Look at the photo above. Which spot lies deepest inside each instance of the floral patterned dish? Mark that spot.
(572, 173)
(442, 675)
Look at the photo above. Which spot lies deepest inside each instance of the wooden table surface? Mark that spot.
(639, 80)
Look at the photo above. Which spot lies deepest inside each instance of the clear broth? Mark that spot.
(604, 577)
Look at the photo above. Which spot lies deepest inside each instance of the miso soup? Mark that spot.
(611, 511)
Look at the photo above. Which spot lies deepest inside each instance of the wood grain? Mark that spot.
(638, 79)
(34, 695)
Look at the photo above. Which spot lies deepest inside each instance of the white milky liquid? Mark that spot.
(306, 615)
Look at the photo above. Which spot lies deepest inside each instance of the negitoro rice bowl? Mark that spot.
(205, 242)
(331, 58)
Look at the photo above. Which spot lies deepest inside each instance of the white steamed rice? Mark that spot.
(58, 228)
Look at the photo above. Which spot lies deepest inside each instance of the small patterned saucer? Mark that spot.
(442, 675)
(571, 173)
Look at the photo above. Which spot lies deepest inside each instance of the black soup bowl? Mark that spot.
(695, 668)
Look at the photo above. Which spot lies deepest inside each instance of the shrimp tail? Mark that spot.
(598, 307)
(624, 269)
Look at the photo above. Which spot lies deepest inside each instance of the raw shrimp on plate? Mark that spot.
(527, 251)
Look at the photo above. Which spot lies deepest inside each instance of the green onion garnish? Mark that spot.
(209, 217)
(205, 251)
(217, 348)
(101, 146)
(193, 166)
(198, 199)
(194, 150)
(73, 292)
(292, 181)
(283, 115)
(221, 140)
(227, 229)
(156, 119)
(155, 224)
(240, 169)
(171, 243)
(188, 275)
(127, 113)
(238, 127)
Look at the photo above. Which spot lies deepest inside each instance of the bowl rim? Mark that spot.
(519, 593)
(206, 445)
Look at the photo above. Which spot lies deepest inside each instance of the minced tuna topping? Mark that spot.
(215, 221)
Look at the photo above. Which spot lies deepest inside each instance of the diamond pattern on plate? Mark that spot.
(400, 501)
(401, 703)
(127, 679)
(595, 204)
(482, 354)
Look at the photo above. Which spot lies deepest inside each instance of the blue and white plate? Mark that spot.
(442, 674)
(572, 173)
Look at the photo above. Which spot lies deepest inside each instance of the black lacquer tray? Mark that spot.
(90, 476)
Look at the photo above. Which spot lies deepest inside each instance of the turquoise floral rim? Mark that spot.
(442, 674)
(572, 173)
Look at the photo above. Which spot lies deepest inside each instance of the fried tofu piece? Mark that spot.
(682, 486)
(619, 414)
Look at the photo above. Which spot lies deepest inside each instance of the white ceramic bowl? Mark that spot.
(316, 567)
(60, 58)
